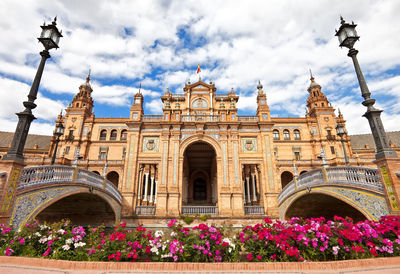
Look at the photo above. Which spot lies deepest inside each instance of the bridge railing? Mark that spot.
(47, 175)
(343, 175)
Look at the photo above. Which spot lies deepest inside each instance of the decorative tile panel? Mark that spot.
(150, 144)
(249, 144)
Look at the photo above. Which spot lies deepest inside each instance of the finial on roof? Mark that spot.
(140, 86)
(340, 113)
(88, 77)
(54, 21)
(259, 86)
(342, 20)
(311, 76)
(61, 112)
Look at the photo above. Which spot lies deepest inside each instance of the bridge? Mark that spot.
(334, 190)
(51, 192)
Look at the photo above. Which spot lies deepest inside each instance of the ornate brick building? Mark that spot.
(200, 156)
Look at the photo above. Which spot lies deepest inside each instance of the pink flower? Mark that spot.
(22, 241)
(47, 252)
(172, 222)
(259, 257)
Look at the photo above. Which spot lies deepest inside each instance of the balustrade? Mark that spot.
(145, 210)
(247, 118)
(212, 210)
(47, 175)
(200, 118)
(254, 210)
(350, 175)
(152, 117)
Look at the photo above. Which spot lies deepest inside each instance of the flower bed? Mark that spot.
(295, 240)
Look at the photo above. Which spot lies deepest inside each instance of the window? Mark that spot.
(103, 153)
(67, 150)
(286, 134)
(265, 116)
(296, 134)
(233, 117)
(113, 135)
(124, 134)
(166, 116)
(332, 150)
(297, 155)
(71, 133)
(177, 116)
(222, 116)
(329, 132)
(135, 115)
(85, 131)
(103, 134)
(275, 134)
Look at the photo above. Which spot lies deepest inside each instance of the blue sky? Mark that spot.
(236, 43)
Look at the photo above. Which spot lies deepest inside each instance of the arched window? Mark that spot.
(124, 134)
(286, 134)
(296, 134)
(113, 135)
(275, 134)
(103, 134)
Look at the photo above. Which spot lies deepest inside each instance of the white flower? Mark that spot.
(43, 227)
(173, 234)
(19, 230)
(158, 233)
(79, 244)
(61, 231)
(42, 240)
(38, 234)
(68, 241)
(154, 250)
(65, 247)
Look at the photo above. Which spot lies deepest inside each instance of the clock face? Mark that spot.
(262, 102)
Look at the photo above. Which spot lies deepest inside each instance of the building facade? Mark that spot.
(200, 156)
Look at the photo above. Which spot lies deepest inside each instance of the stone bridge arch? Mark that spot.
(42, 187)
(356, 187)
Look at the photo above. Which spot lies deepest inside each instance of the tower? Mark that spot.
(263, 112)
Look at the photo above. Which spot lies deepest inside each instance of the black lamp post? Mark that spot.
(341, 132)
(59, 131)
(49, 37)
(347, 37)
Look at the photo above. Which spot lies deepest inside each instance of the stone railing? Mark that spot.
(247, 118)
(342, 175)
(145, 210)
(200, 118)
(253, 210)
(212, 210)
(152, 117)
(52, 175)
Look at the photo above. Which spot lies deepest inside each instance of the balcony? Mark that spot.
(145, 210)
(212, 210)
(253, 210)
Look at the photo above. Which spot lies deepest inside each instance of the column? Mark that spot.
(152, 184)
(155, 194)
(253, 177)
(140, 182)
(146, 176)
(248, 189)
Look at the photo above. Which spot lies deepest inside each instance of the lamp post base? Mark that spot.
(388, 167)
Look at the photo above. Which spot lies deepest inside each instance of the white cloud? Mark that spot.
(236, 43)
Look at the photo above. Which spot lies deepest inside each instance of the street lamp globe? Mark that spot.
(50, 35)
(347, 34)
(340, 130)
(59, 130)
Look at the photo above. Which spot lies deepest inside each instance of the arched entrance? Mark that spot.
(315, 205)
(286, 178)
(113, 177)
(82, 209)
(199, 175)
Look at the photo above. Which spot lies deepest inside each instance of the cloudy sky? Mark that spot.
(236, 43)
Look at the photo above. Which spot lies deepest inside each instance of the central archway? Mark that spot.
(199, 175)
